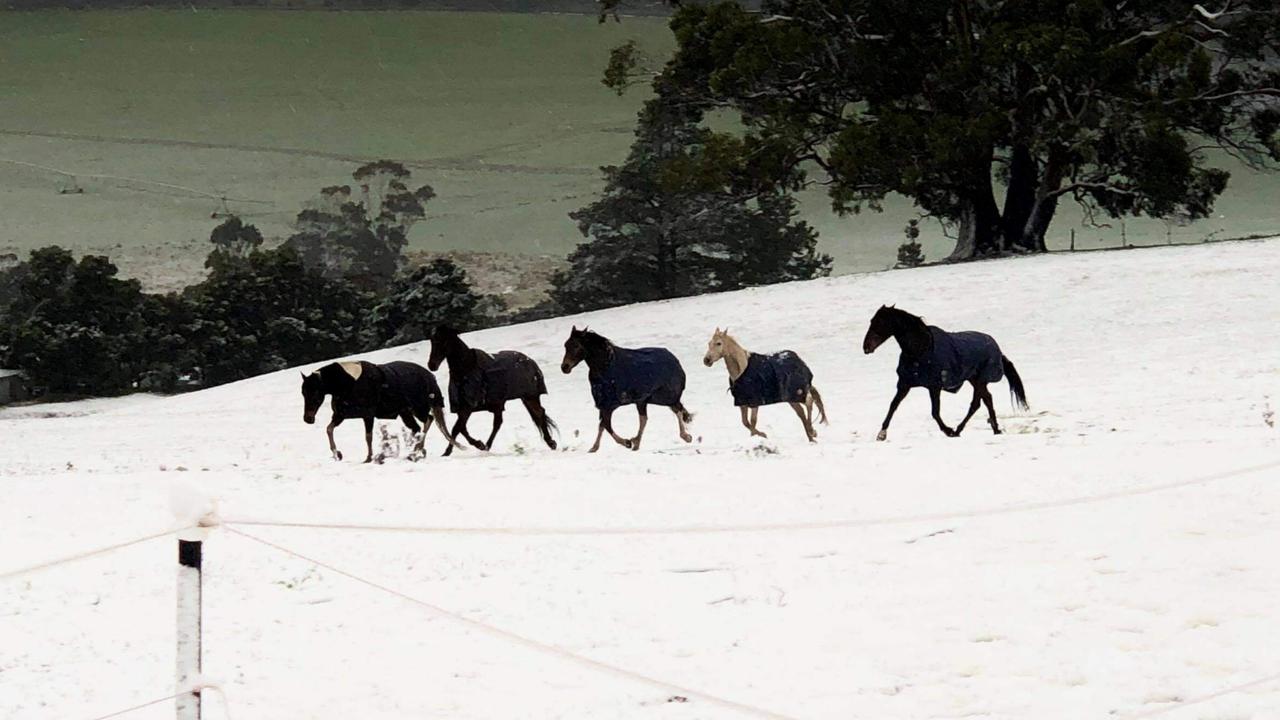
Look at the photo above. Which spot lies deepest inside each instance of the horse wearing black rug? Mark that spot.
(756, 379)
(480, 382)
(938, 360)
(364, 390)
(626, 376)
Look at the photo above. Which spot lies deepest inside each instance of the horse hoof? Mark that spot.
(337, 456)
(880, 437)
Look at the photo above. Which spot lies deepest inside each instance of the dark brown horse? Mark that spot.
(364, 390)
(938, 360)
(480, 382)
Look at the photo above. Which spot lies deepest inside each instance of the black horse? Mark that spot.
(480, 382)
(624, 376)
(364, 390)
(938, 360)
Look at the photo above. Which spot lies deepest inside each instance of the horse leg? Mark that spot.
(459, 427)
(643, 411)
(368, 438)
(802, 412)
(606, 425)
(333, 447)
(991, 411)
(755, 415)
(539, 416)
(683, 417)
(978, 389)
(419, 433)
(817, 399)
(893, 407)
(438, 414)
(497, 423)
(935, 402)
(748, 423)
(600, 431)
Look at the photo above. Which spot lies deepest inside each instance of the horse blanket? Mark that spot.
(495, 379)
(954, 359)
(769, 379)
(390, 390)
(643, 375)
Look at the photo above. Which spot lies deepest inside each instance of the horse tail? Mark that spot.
(817, 400)
(1018, 392)
(438, 413)
(686, 417)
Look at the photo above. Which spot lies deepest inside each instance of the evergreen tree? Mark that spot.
(233, 241)
(679, 218)
(270, 312)
(74, 327)
(909, 252)
(437, 293)
(1109, 104)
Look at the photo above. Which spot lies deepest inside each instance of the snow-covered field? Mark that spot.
(1113, 555)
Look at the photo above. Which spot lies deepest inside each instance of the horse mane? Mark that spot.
(593, 339)
(902, 317)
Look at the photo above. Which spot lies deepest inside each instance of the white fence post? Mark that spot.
(190, 560)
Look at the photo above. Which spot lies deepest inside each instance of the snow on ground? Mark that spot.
(1100, 559)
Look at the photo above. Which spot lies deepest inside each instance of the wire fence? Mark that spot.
(234, 527)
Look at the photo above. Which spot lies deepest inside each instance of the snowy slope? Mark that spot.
(1111, 556)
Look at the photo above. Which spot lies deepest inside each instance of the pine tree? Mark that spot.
(437, 293)
(682, 216)
(909, 253)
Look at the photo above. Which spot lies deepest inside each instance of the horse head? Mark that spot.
(574, 350)
(880, 329)
(715, 347)
(313, 393)
(442, 339)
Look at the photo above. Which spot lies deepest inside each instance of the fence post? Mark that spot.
(1073, 239)
(190, 560)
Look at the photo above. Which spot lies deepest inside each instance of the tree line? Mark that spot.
(987, 115)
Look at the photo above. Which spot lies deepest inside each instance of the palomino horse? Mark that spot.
(625, 376)
(938, 360)
(367, 391)
(756, 380)
(480, 382)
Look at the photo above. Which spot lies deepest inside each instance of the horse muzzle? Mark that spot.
(309, 419)
(708, 361)
(870, 344)
(566, 368)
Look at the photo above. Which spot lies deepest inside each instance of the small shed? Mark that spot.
(13, 386)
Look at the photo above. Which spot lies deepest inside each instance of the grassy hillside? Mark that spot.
(503, 113)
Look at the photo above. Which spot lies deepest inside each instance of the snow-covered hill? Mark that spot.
(1112, 555)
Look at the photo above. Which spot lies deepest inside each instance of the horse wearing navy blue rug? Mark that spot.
(364, 390)
(938, 360)
(480, 382)
(756, 379)
(626, 376)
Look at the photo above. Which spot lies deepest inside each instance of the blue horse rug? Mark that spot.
(769, 379)
(954, 359)
(643, 375)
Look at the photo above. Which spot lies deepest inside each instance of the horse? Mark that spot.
(938, 360)
(756, 379)
(627, 376)
(480, 382)
(362, 389)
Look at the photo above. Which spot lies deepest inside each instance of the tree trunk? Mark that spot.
(1020, 196)
(979, 228)
(1030, 234)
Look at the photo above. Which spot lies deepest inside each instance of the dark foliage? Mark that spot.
(75, 328)
(437, 293)
(682, 216)
(1107, 104)
(268, 313)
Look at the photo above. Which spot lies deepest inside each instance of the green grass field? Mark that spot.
(503, 114)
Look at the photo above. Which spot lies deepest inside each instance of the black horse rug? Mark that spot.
(953, 359)
(769, 379)
(495, 379)
(643, 375)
